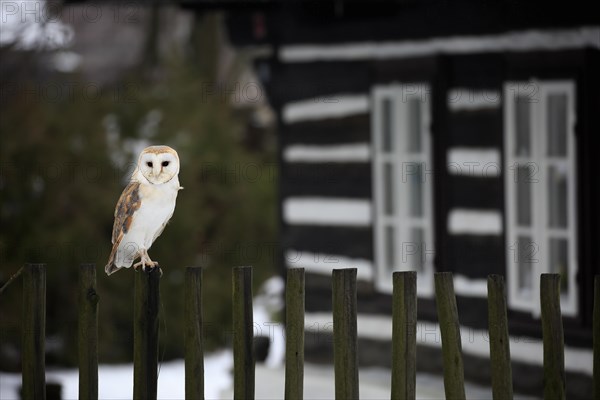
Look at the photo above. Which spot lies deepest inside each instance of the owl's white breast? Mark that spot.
(157, 206)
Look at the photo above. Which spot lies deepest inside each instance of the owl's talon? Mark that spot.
(150, 264)
(156, 266)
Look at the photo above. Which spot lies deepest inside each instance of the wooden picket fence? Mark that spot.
(344, 335)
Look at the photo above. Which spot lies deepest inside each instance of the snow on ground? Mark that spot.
(374, 384)
(266, 304)
(116, 381)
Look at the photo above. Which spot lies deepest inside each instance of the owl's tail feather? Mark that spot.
(111, 268)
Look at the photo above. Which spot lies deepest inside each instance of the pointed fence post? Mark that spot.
(194, 349)
(243, 333)
(294, 334)
(454, 375)
(145, 334)
(88, 333)
(552, 331)
(502, 386)
(404, 335)
(344, 334)
(34, 331)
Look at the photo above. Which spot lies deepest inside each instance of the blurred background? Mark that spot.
(82, 95)
(385, 136)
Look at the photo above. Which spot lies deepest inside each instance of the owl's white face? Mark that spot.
(158, 164)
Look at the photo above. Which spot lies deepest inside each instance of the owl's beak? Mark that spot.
(156, 170)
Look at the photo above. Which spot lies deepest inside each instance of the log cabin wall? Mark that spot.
(320, 74)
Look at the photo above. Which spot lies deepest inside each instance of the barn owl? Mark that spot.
(144, 208)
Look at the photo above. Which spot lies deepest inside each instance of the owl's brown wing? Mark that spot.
(128, 204)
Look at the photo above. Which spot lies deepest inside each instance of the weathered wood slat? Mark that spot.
(344, 179)
(502, 386)
(475, 256)
(345, 344)
(489, 188)
(454, 376)
(552, 330)
(465, 127)
(243, 331)
(332, 131)
(404, 335)
(408, 71)
(294, 334)
(597, 337)
(194, 349)
(319, 81)
(34, 331)
(321, 22)
(11, 280)
(145, 334)
(329, 240)
(88, 333)
(478, 71)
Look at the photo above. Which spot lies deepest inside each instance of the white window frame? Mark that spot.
(398, 158)
(539, 251)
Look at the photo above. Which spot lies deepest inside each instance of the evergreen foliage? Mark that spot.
(65, 162)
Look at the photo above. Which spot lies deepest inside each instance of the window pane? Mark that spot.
(522, 126)
(416, 250)
(557, 124)
(415, 177)
(388, 189)
(523, 192)
(557, 197)
(386, 125)
(414, 125)
(389, 251)
(559, 256)
(525, 256)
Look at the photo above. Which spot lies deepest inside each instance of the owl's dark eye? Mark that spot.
(149, 163)
(165, 163)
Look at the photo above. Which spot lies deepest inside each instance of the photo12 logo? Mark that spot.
(52, 11)
(236, 92)
(69, 91)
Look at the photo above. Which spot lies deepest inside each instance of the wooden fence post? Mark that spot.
(88, 333)
(294, 334)
(344, 334)
(404, 335)
(243, 332)
(552, 331)
(194, 349)
(596, 333)
(34, 332)
(145, 334)
(454, 375)
(502, 386)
